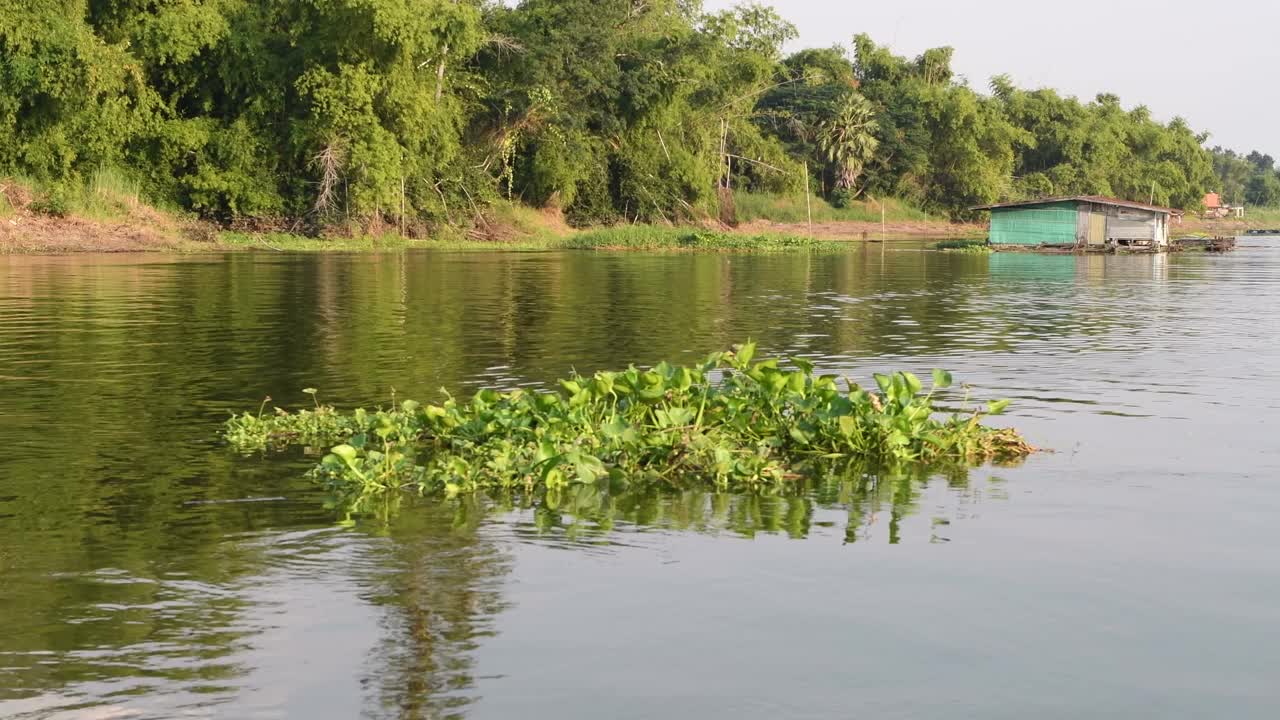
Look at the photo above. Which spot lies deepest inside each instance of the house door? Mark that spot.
(1097, 229)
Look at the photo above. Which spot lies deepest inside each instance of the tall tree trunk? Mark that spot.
(440, 73)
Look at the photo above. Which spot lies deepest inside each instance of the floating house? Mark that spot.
(1080, 222)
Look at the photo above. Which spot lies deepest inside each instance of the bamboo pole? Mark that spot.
(724, 141)
(808, 204)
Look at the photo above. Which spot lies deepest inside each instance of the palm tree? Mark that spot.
(848, 139)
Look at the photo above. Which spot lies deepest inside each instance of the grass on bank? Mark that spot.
(1255, 218)
(792, 209)
(107, 194)
(1262, 217)
(622, 237)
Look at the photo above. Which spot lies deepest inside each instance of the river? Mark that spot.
(1133, 571)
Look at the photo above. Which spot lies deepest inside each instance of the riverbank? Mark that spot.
(1256, 219)
(103, 216)
(107, 221)
(49, 235)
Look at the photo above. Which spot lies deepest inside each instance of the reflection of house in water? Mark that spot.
(1052, 302)
(1033, 268)
(1077, 269)
(1080, 222)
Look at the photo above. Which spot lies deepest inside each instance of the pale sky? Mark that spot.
(1214, 63)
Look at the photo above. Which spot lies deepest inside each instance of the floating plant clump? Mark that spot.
(726, 423)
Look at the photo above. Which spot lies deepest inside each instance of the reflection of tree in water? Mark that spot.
(441, 591)
(132, 585)
(440, 582)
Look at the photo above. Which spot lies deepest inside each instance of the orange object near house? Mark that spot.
(1215, 208)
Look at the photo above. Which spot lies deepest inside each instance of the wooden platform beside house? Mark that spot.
(1080, 224)
(1207, 244)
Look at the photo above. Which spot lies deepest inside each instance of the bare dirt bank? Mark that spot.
(133, 227)
(47, 235)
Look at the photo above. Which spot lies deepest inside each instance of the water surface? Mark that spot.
(146, 572)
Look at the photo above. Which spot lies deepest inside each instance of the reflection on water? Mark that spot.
(145, 572)
(865, 507)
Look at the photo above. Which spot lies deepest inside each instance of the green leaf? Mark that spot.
(546, 451)
(914, 386)
(680, 416)
(884, 381)
(683, 379)
(653, 395)
(776, 381)
(941, 379)
(796, 382)
(848, 425)
(614, 428)
(588, 469)
(997, 407)
(346, 452)
(746, 351)
(604, 382)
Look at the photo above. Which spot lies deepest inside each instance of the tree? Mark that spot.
(368, 111)
(848, 139)
(69, 102)
(1264, 163)
(1263, 190)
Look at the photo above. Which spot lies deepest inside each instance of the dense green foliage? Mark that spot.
(726, 422)
(1251, 180)
(1098, 148)
(400, 113)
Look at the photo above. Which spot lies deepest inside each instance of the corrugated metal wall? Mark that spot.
(1131, 225)
(1041, 224)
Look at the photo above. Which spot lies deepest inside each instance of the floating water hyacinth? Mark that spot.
(727, 423)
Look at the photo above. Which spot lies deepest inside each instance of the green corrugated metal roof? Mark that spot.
(1051, 224)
